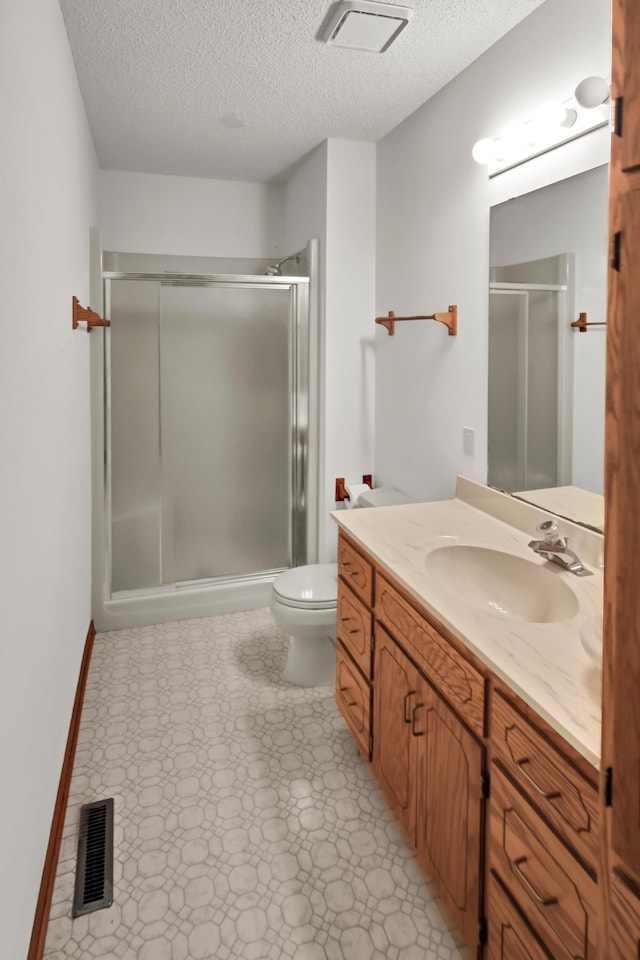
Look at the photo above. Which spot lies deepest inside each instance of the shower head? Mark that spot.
(275, 271)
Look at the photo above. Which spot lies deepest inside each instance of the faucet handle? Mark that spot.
(548, 530)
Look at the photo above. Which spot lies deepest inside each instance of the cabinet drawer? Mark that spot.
(509, 935)
(561, 794)
(357, 571)
(458, 682)
(558, 897)
(354, 627)
(353, 697)
(625, 918)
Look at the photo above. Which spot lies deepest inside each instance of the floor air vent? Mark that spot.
(94, 869)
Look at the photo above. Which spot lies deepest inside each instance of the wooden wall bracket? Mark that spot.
(85, 315)
(341, 490)
(582, 323)
(450, 320)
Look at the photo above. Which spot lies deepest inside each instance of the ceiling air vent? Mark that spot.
(364, 24)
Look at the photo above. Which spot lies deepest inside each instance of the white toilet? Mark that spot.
(304, 602)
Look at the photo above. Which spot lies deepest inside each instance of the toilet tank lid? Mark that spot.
(383, 497)
(315, 584)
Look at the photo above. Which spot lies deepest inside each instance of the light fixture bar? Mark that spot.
(553, 125)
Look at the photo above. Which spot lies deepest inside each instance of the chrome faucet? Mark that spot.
(555, 548)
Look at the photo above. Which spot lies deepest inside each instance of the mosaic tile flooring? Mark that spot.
(246, 823)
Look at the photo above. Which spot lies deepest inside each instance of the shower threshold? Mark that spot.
(185, 600)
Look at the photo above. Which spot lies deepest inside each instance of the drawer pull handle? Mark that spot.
(543, 901)
(552, 795)
(346, 620)
(345, 566)
(413, 720)
(349, 703)
(407, 719)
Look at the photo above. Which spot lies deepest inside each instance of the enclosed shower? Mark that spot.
(206, 436)
(530, 374)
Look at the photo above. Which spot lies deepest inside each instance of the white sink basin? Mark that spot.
(502, 583)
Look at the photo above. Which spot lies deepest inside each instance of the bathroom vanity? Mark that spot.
(482, 726)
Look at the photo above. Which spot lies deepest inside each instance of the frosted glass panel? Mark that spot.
(225, 414)
(135, 449)
(523, 414)
(507, 390)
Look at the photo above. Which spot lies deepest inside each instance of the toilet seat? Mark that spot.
(311, 587)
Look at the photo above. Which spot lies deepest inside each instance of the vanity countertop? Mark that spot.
(544, 663)
(568, 502)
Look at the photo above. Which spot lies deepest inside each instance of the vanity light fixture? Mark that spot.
(553, 124)
(364, 24)
(552, 114)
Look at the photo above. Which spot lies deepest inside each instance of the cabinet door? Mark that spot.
(449, 807)
(394, 696)
(621, 705)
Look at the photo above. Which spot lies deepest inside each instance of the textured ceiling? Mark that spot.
(242, 90)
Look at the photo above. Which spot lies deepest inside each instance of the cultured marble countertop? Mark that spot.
(544, 663)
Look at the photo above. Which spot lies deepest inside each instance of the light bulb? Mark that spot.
(515, 136)
(484, 151)
(552, 113)
(591, 92)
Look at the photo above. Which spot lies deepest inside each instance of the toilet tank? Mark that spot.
(383, 497)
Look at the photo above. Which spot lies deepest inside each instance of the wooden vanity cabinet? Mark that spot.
(354, 648)
(429, 764)
(543, 838)
(511, 938)
(417, 706)
(449, 808)
(625, 918)
(559, 792)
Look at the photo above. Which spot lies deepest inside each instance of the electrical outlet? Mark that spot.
(468, 441)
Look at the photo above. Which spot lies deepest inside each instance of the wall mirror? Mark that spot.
(546, 378)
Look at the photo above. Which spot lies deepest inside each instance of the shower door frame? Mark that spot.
(217, 594)
(564, 384)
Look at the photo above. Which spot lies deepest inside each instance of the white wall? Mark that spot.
(570, 217)
(47, 173)
(152, 213)
(433, 242)
(349, 360)
(331, 197)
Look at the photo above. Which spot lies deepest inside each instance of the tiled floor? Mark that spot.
(247, 825)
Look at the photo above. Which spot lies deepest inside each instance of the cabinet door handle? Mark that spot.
(531, 890)
(411, 693)
(349, 703)
(553, 795)
(344, 620)
(345, 566)
(413, 720)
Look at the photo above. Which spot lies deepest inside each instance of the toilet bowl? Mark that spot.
(304, 603)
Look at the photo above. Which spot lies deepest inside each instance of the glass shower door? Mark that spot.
(524, 388)
(225, 430)
(207, 406)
